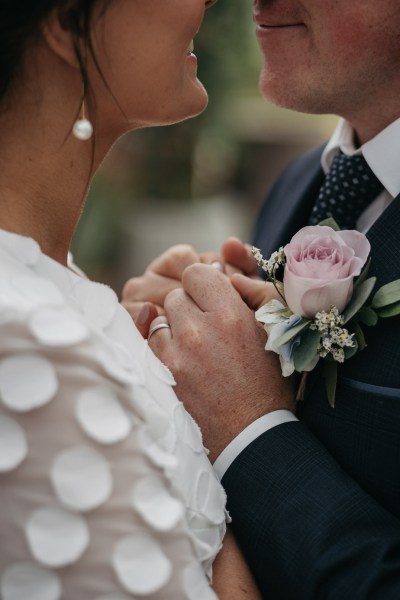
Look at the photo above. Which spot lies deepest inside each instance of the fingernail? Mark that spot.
(143, 314)
(218, 265)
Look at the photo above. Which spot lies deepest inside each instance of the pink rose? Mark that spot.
(320, 266)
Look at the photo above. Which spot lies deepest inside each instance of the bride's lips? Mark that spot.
(191, 57)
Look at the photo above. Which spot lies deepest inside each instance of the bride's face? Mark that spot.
(144, 50)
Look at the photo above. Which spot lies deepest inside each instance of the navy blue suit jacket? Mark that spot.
(316, 503)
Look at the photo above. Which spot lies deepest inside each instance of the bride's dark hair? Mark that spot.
(20, 22)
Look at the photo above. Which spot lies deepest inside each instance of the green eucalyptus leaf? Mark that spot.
(363, 275)
(284, 312)
(387, 294)
(359, 298)
(360, 337)
(306, 350)
(389, 311)
(330, 222)
(368, 316)
(349, 352)
(291, 333)
(330, 374)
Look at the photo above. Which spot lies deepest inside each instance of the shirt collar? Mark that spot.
(382, 152)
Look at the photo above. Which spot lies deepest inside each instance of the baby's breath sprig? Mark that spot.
(334, 337)
(271, 265)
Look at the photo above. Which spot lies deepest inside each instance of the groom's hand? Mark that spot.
(215, 349)
(143, 297)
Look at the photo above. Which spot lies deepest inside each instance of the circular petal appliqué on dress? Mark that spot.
(27, 580)
(58, 327)
(188, 428)
(129, 363)
(109, 357)
(140, 564)
(207, 538)
(210, 498)
(27, 382)
(158, 368)
(81, 478)
(37, 290)
(56, 537)
(161, 426)
(195, 584)
(151, 499)
(25, 249)
(13, 444)
(115, 596)
(156, 454)
(97, 301)
(101, 416)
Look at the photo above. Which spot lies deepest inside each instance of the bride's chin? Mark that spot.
(188, 110)
(170, 114)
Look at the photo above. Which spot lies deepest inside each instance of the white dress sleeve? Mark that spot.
(89, 510)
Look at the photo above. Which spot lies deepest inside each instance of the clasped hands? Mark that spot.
(214, 347)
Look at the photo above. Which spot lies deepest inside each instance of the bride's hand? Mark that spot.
(143, 297)
(215, 349)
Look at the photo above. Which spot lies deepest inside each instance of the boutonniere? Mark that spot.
(323, 301)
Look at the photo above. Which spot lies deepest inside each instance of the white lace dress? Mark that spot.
(106, 492)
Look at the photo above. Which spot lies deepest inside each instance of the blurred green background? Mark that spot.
(201, 180)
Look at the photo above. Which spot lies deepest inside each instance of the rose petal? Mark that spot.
(358, 241)
(335, 293)
(320, 266)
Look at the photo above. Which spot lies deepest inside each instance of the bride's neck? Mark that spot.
(44, 177)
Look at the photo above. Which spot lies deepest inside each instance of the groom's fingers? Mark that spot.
(181, 311)
(239, 256)
(255, 292)
(150, 287)
(210, 289)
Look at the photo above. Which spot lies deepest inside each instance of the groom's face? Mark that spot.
(329, 56)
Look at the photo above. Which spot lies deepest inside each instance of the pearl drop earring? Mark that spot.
(82, 129)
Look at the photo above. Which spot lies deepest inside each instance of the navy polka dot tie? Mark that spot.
(349, 187)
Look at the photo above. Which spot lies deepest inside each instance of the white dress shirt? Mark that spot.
(382, 154)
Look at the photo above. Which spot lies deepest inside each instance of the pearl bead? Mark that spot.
(82, 129)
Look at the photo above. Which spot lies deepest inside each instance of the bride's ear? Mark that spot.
(60, 39)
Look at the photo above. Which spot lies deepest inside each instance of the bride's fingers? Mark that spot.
(213, 259)
(144, 317)
(174, 261)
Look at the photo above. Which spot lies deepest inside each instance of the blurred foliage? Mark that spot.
(233, 150)
(178, 162)
(168, 161)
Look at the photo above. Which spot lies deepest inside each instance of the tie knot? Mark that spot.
(349, 187)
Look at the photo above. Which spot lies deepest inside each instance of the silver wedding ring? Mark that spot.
(156, 328)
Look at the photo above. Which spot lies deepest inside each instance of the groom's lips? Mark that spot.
(267, 24)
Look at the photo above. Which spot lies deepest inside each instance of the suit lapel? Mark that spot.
(289, 203)
(385, 244)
